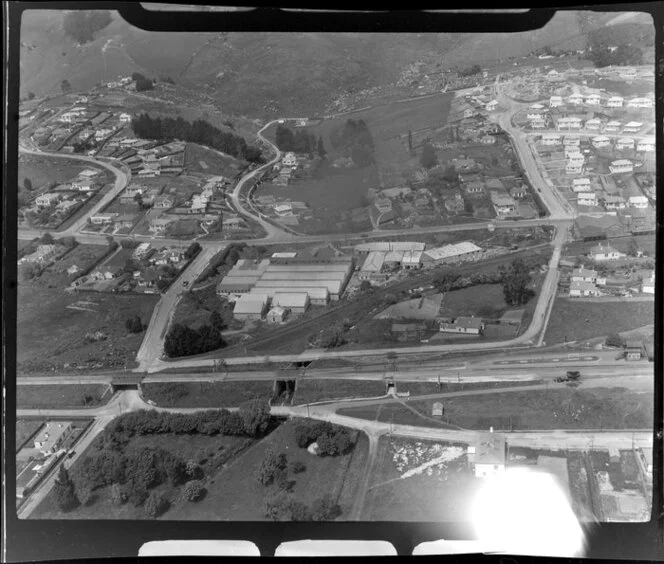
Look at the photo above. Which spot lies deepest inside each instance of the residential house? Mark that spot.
(604, 252)
(648, 284)
(593, 99)
(571, 141)
(621, 166)
(489, 454)
(487, 140)
(581, 184)
(614, 202)
(579, 289)
(587, 275)
(234, 223)
(289, 159)
(464, 325)
(534, 115)
(164, 201)
(468, 113)
(633, 349)
(519, 192)
(102, 133)
(51, 436)
(574, 165)
(103, 218)
(632, 127)
(615, 102)
(600, 141)
(437, 409)
(159, 224)
(383, 204)
(586, 199)
(572, 152)
(575, 99)
(593, 124)
(550, 139)
(571, 122)
(492, 105)
(474, 188)
(640, 202)
(640, 103)
(624, 143)
(283, 210)
(125, 117)
(555, 101)
(503, 203)
(48, 199)
(646, 145)
(538, 123)
(613, 126)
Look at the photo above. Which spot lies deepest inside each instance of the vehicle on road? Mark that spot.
(185, 283)
(571, 376)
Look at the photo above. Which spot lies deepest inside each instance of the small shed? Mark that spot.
(276, 314)
(633, 350)
(437, 410)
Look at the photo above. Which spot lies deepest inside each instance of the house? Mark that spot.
(575, 99)
(538, 123)
(408, 331)
(646, 145)
(437, 409)
(373, 266)
(586, 199)
(455, 203)
(615, 102)
(581, 184)
(234, 223)
(632, 127)
(640, 103)
(555, 101)
(102, 133)
(633, 349)
(550, 139)
(593, 99)
(159, 224)
(535, 115)
(638, 202)
(490, 453)
(52, 435)
(468, 113)
(648, 284)
(289, 159)
(474, 188)
(276, 315)
(613, 126)
(612, 202)
(571, 141)
(604, 252)
(464, 325)
(600, 141)
(411, 259)
(624, 143)
(73, 269)
(487, 140)
(250, 307)
(296, 302)
(587, 275)
(519, 192)
(395, 192)
(583, 289)
(574, 165)
(46, 200)
(571, 122)
(572, 152)
(125, 118)
(593, 124)
(102, 218)
(283, 210)
(164, 201)
(383, 204)
(141, 250)
(492, 105)
(621, 166)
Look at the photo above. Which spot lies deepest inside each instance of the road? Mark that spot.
(152, 346)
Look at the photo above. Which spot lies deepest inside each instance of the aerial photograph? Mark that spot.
(333, 276)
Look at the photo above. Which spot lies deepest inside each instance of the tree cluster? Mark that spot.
(143, 84)
(134, 324)
(281, 506)
(332, 337)
(199, 131)
(81, 25)
(469, 71)
(355, 141)
(428, 158)
(515, 283)
(65, 491)
(192, 250)
(182, 340)
(332, 440)
(602, 56)
(301, 141)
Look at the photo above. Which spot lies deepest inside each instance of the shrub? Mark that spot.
(118, 494)
(614, 340)
(65, 492)
(193, 490)
(271, 467)
(155, 505)
(324, 509)
(297, 467)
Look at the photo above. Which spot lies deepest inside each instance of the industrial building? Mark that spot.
(250, 307)
(296, 302)
(387, 246)
(242, 277)
(451, 253)
(373, 266)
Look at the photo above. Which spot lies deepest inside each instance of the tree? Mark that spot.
(332, 337)
(47, 239)
(325, 509)
(271, 466)
(280, 506)
(193, 470)
(445, 280)
(614, 340)
(155, 505)
(297, 466)
(365, 286)
(428, 158)
(27, 184)
(65, 491)
(217, 321)
(193, 491)
(81, 25)
(84, 494)
(118, 494)
(515, 283)
(321, 148)
(632, 247)
(31, 95)
(192, 250)
(65, 86)
(255, 417)
(134, 324)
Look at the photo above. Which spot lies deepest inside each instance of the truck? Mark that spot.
(571, 376)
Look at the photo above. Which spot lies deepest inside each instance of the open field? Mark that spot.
(309, 391)
(441, 493)
(198, 159)
(50, 334)
(576, 321)
(211, 453)
(25, 428)
(62, 396)
(483, 300)
(206, 394)
(43, 170)
(555, 408)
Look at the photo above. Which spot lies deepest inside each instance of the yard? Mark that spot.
(206, 394)
(573, 320)
(84, 256)
(599, 408)
(62, 396)
(52, 327)
(25, 429)
(406, 486)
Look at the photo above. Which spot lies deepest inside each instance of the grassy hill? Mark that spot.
(261, 74)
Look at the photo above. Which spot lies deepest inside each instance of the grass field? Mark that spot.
(25, 428)
(198, 159)
(43, 170)
(49, 334)
(575, 321)
(308, 390)
(442, 493)
(598, 408)
(483, 300)
(55, 396)
(206, 394)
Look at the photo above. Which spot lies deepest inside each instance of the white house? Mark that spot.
(125, 118)
(550, 139)
(614, 202)
(572, 152)
(587, 275)
(502, 203)
(536, 106)
(624, 143)
(555, 101)
(615, 102)
(102, 219)
(571, 141)
(535, 115)
(632, 127)
(283, 210)
(575, 99)
(593, 124)
(640, 103)
(492, 105)
(583, 289)
(102, 133)
(600, 141)
(465, 325)
(587, 199)
(648, 284)
(647, 145)
(604, 252)
(640, 202)
(571, 122)
(46, 200)
(289, 159)
(621, 166)
(612, 127)
(593, 99)
(581, 184)
(574, 165)
(538, 123)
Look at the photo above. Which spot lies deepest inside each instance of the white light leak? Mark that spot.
(526, 512)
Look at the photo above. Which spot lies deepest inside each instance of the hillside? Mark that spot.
(268, 74)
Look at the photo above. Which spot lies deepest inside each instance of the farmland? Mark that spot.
(555, 408)
(52, 335)
(573, 320)
(62, 396)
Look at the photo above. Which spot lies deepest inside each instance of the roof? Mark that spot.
(469, 322)
(311, 267)
(291, 299)
(602, 249)
(303, 275)
(250, 303)
(633, 124)
(457, 249)
(394, 256)
(621, 162)
(584, 272)
(490, 448)
(390, 246)
(579, 181)
(236, 281)
(374, 261)
(277, 310)
(600, 138)
(500, 199)
(284, 255)
(412, 257)
(333, 286)
(50, 433)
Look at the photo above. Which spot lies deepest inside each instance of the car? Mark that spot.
(185, 283)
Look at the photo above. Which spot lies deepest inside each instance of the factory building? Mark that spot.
(451, 253)
(250, 307)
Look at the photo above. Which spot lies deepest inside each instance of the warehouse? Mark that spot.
(296, 302)
(450, 253)
(271, 286)
(373, 265)
(250, 306)
(393, 258)
(236, 285)
(411, 259)
(386, 246)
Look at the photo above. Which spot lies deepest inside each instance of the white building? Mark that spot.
(538, 123)
(581, 184)
(550, 139)
(612, 126)
(640, 202)
(489, 454)
(640, 103)
(452, 253)
(283, 210)
(583, 289)
(624, 143)
(571, 122)
(555, 101)
(587, 275)
(492, 105)
(587, 199)
(621, 166)
(593, 99)
(571, 141)
(604, 252)
(535, 115)
(574, 165)
(575, 99)
(289, 159)
(648, 284)
(600, 141)
(632, 127)
(615, 102)
(593, 124)
(125, 118)
(646, 145)
(614, 202)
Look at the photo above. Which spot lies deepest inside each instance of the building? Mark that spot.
(250, 307)
(296, 302)
(600, 141)
(587, 275)
(583, 289)
(283, 210)
(503, 203)
(571, 141)
(615, 102)
(411, 259)
(383, 204)
(492, 105)
(632, 127)
(464, 325)
(648, 284)
(125, 118)
(164, 201)
(452, 253)
(276, 315)
(386, 246)
(633, 349)
(487, 140)
(575, 99)
(46, 200)
(593, 124)
(102, 218)
(538, 123)
(571, 122)
(640, 103)
(141, 251)
(621, 166)
(474, 188)
(613, 126)
(519, 192)
(604, 252)
(581, 184)
(572, 152)
(550, 139)
(555, 101)
(437, 409)
(640, 202)
(490, 453)
(624, 143)
(593, 99)
(373, 266)
(535, 115)
(646, 145)
(289, 159)
(614, 202)
(51, 436)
